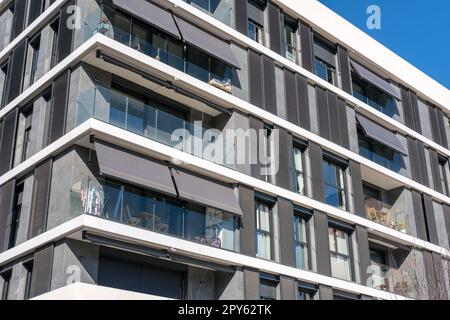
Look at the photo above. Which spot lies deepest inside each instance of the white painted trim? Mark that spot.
(192, 249)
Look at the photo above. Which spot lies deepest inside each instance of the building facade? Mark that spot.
(115, 182)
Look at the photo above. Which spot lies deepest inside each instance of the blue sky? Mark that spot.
(417, 30)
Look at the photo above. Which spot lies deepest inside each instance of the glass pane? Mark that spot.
(118, 107)
(342, 242)
(301, 253)
(175, 55)
(340, 267)
(263, 217)
(331, 239)
(301, 229)
(122, 29)
(300, 183)
(332, 196)
(298, 159)
(136, 116)
(139, 39)
(263, 246)
(198, 64)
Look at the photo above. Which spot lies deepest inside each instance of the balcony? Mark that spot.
(392, 161)
(382, 213)
(143, 209)
(392, 280)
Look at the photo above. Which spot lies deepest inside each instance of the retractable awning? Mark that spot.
(376, 80)
(150, 13)
(326, 54)
(204, 191)
(133, 168)
(380, 134)
(207, 42)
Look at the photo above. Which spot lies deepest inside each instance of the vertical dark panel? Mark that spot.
(288, 288)
(256, 125)
(422, 163)
(434, 124)
(315, 154)
(322, 243)
(447, 220)
(322, 113)
(419, 215)
(441, 125)
(430, 274)
(42, 271)
(363, 252)
(16, 70)
(335, 135)
(430, 219)
(59, 106)
(435, 170)
(440, 270)
(344, 65)
(35, 10)
(6, 204)
(241, 16)
(415, 112)
(303, 102)
(248, 223)
(407, 110)
(251, 284)
(8, 141)
(256, 79)
(307, 47)
(325, 292)
(20, 7)
(358, 195)
(270, 95)
(65, 35)
(41, 190)
(343, 124)
(291, 96)
(274, 28)
(414, 160)
(285, 152)
(287, 242)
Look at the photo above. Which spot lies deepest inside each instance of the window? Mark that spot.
(28, 280)
(306, 292)
(3, 83)
(373, 96)
(334, 184)
(55, 39)
(443, 175)
(301, 240)
(255, 12)
(220, 9)
(263, 230)
(325, 70)
(266, 162)
(28, 118)
(255, 32)
(290, 35)
(380, 269)
(6, 276)
(268, 287)
(34, 47)
(299, 163)
(17, 211)
(340, 252)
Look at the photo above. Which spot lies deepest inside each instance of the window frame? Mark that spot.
(348, 257)
(29, 268)
(305, 215)
(5, 68)
(302, 149)
(308, 289)
(6, 275)
(443, 174)
(17, 212)
(270, 280)
(341, 165)
(34, 45)
(331, 70)
(263, 201)
(257, 29)
(54, 26)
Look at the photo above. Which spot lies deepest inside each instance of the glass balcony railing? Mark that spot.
(382, 213)
(392, 280)
(125, 112)
(395, 164)
(139, 208)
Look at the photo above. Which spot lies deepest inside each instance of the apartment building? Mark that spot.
(98, 200)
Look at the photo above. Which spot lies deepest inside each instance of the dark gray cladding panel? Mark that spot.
(343, 124)
(16, 70)
(441, 269)
(192, 187)
(358, 195)
(422, 163)
(20, 10)
(287, 241)
(322, 243)
(447, 220)
(150, 13)
(275, 28)
(380, 134)
(65, 35)
(335, 132)
(59, 106)
(248, 223)
(315, 154)
(114, 162)
(414, 160)
(257, 80)
(288, 288)
(307, 47)
(322, 113)
(270, 94)
(6, 204)
(251, 284)
(430, 274)
(285, 149)
(291, 96)
(207, 42)
(241, 16)
(344, 65)
(435, 170)
(35, 10)
(303, 103)
(363, 252)
(415, 111)
(8, 137)
(419, 215)
(325, 292)
(41, 192)
(430, 219)
(434, 124)
(42, 270)
(256, 125)
(376, 80)
(441, 124)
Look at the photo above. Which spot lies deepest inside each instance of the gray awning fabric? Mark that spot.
(255, 12)
(150, 13)
(206, 42)
(380, 134)
(376, 80)
(200, 190)
(325, 54)
(125, 165)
